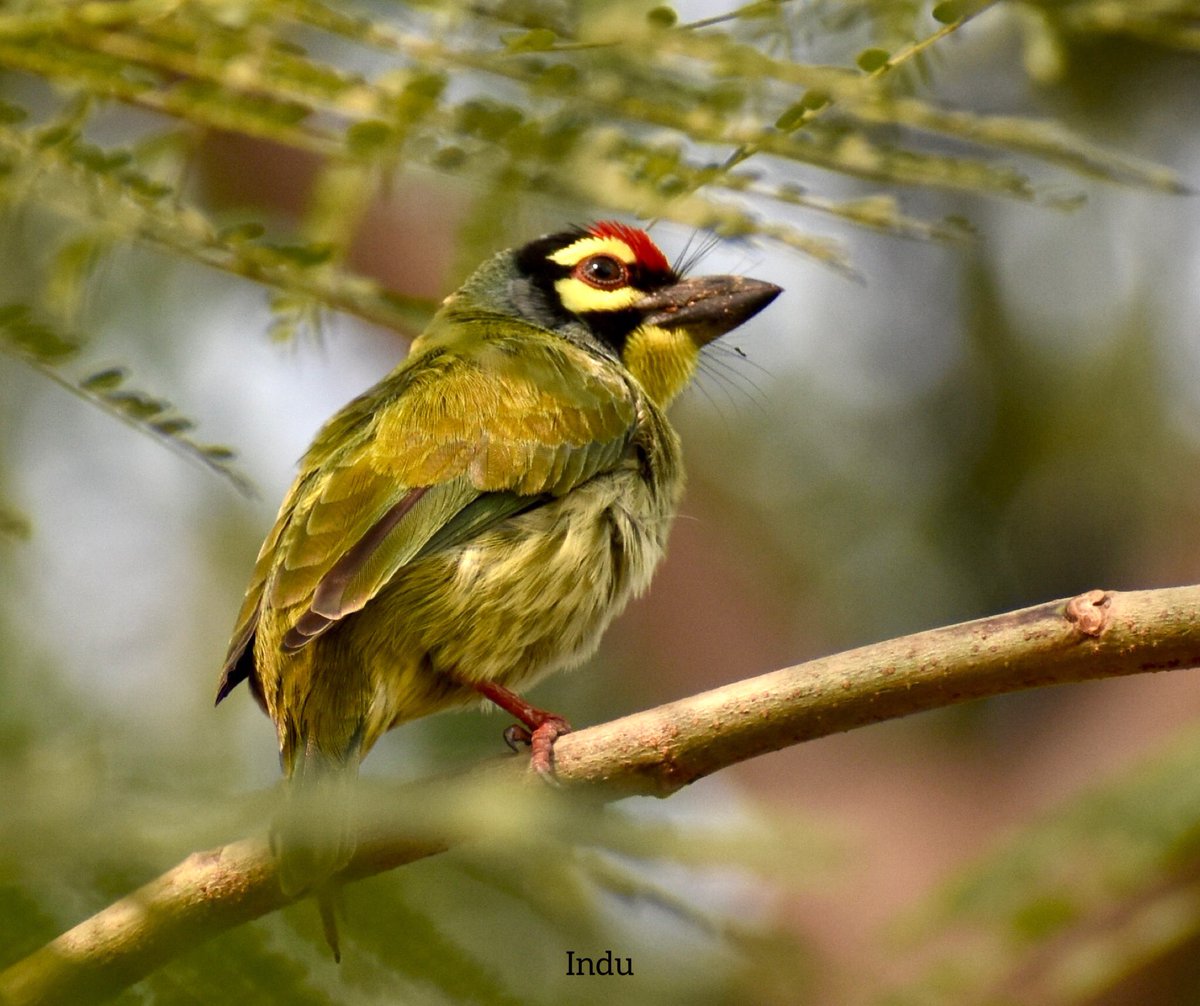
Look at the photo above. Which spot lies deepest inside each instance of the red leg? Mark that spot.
(542, 729)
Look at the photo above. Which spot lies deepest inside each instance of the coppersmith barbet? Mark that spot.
(475, 520)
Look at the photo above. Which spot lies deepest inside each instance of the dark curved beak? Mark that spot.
(706, 306)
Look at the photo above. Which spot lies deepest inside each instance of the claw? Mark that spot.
(516, 736)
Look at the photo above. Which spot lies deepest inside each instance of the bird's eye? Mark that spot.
(602, 272)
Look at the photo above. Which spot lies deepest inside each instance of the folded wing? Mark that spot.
(456, 440)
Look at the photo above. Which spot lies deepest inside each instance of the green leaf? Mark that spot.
(815, 98)
(303, 255)
(73, 266)
(99, 160)
(870, 60)
(54, 135)
(146, 188)
(12, 114)
(427, 85)
(537, 40)
(136, 404)
(762, 8)
(450, 158)
(12, 524)
(366, 138)
(487, 120)
(32, 338)
(795, 115)
(556, 78)
(948, 11)
(104, 380)
(791, 118)
(178, 424)
(953, 11)
(236, 233)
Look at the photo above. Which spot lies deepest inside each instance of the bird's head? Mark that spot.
(610, 287)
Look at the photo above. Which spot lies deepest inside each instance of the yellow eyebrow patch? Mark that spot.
(575, 253)
(579, 298)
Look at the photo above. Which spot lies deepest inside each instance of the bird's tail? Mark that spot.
(313, 833)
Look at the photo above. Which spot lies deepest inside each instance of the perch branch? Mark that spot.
(1095, 635)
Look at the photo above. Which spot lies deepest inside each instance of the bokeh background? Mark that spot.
(966, 429)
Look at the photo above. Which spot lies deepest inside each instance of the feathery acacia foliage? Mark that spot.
(46, 350)
(622, 108)
(619, 108)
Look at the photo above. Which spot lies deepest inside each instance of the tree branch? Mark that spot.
(1095, 635)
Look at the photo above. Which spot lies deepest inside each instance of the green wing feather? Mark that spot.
(478, 424)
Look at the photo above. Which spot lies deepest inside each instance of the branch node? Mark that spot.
(1090, 612)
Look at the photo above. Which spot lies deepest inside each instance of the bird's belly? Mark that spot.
(526, 598)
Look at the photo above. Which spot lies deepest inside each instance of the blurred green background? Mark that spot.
(970, 427)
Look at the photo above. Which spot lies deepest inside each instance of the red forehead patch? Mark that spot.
(644, 249)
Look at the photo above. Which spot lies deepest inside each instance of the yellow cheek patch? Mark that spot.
(575, 253)
(578, 297)
(662, 360)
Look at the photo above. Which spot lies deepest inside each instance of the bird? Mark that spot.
(474, 521)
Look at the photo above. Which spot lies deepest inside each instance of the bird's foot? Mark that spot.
(538, 729)
(540, 741)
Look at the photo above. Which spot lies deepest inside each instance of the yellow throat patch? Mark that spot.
(663, 360)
